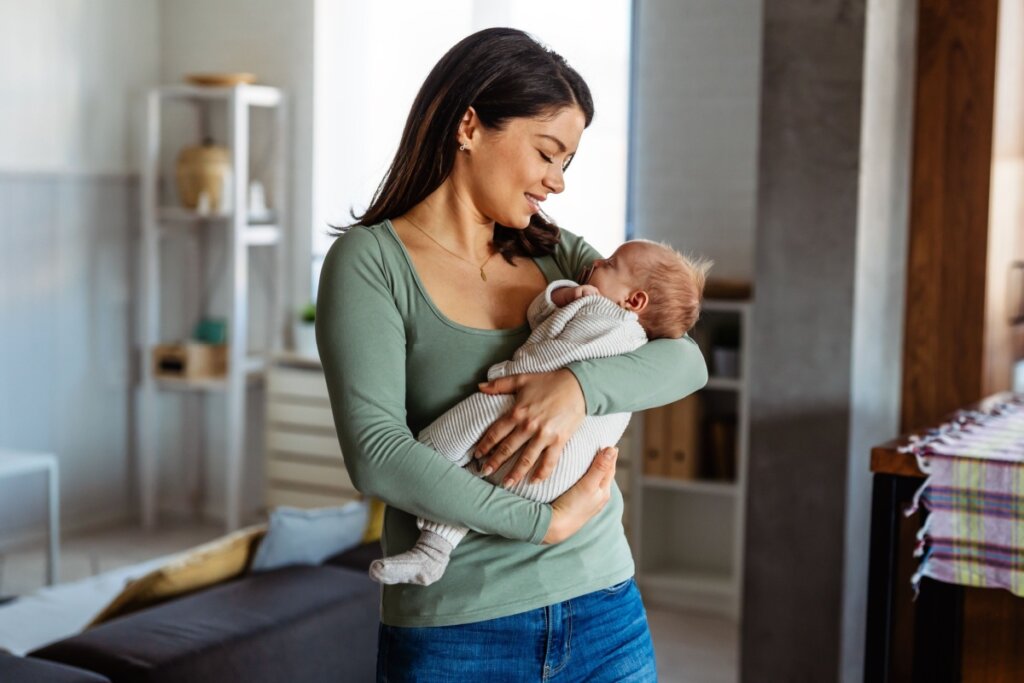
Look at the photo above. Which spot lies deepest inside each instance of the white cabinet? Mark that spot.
(235, 235)
(689, 477)
(304, 463)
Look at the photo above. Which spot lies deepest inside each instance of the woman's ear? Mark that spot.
(637, 301)
(469, 126)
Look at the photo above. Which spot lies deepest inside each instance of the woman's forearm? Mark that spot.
(386, 463)
(659, 372)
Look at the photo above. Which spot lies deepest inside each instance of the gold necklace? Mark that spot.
(481, 266)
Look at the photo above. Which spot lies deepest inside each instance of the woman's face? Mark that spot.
(509, 172)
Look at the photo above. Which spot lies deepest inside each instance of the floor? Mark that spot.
(23, 570)
(690, 648)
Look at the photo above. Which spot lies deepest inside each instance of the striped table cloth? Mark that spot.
(974, 495)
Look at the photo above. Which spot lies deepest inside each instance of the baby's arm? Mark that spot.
(563, 296)
(557, 294)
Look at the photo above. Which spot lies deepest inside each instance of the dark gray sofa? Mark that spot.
(292, 624)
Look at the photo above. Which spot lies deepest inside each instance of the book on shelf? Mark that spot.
(655, 462)
(683, 443)
(720, 439)
(672, 439)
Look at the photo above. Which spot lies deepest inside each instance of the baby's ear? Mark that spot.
(637, 301)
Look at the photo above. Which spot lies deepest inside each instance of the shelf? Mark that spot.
(254, 368)
(689, 533)
(179, 214)
(710, 487)
(724, 384)
(262, 235)
(725, 306)
(253, 95)
(212, 384)
(165, 220)
(257, 234)
(295, 358)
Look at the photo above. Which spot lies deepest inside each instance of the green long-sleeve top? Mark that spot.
(394, 363)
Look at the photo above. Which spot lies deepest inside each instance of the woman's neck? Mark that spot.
(448, 216)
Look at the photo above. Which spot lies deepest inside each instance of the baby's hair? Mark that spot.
(674, 283)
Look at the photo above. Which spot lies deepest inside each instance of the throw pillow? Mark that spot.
(299, 536)
(376, 523)
(205, 565)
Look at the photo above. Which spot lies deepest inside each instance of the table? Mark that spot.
(950, 633)
(16, 463)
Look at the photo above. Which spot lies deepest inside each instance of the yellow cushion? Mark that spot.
(205, 565)
(376, 522)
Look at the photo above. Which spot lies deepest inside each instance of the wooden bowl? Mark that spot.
(221, 79)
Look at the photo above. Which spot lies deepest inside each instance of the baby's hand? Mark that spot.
(566, 295)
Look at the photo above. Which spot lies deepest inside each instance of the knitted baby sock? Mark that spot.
(422, 564)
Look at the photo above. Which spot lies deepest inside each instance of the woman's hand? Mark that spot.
(586, 498)
(549, 407)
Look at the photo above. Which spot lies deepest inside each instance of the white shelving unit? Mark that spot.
(688, 534)
(163, 220)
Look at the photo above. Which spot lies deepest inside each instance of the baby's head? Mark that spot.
(660, 285)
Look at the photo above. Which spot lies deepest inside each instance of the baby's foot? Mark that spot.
(423, 564)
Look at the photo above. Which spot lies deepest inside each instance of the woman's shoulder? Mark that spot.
(358, 243)
(359, 238)
(572, 253)
(360, 253)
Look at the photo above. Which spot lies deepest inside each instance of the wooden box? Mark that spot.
(190, 360)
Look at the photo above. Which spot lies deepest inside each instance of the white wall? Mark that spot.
(696, 127)
(72, 70)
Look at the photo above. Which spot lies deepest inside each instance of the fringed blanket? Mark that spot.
(974, 493)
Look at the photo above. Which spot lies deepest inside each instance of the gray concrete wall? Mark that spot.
(837, 99)
(805, 267)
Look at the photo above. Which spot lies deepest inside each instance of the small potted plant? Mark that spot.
(305, 332)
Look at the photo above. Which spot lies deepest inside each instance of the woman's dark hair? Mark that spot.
(503, 74)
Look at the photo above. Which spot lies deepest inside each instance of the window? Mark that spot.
(368, 74)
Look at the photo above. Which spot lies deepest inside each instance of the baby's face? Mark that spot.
(617, 277)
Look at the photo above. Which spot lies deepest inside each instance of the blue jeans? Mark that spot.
(600, 636)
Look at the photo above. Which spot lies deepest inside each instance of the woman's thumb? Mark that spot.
(604, 464)
(501, 385)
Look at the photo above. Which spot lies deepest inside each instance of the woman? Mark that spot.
(414, 306)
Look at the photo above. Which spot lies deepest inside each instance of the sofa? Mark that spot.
(294, 624)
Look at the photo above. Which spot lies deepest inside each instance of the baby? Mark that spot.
(645, 290)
